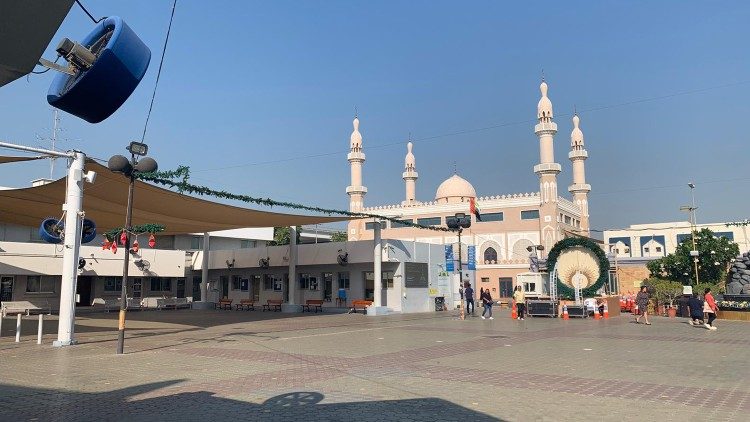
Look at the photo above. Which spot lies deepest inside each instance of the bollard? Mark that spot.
(39, 330)
(1, 324)
(18, 328)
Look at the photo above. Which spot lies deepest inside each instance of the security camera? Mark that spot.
(90, 176)
(77, 55)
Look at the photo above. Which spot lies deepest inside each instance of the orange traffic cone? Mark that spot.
(596, 313)
(606, 311)
(513, 312)
(565, 312)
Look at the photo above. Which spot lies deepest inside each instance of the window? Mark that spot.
(371, 225)
(485, 279)
(506, 286)
(492, 216)
(159, 284)
(658, 249)
(267, 282)
(567, 219)
(343, 280)
(627, 250)
(112, 284)
(429, 221)
(308, 282)
(529, 214)
(196, 242)
(239, 284)
(529, 287)
(645, 249)
(395, 224)
(245, 244)
(387, 279)
(37, 284)
(490, 256)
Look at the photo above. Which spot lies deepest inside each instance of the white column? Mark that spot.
(377, 261)
(71, 245)
(204, 266)
(292, 265)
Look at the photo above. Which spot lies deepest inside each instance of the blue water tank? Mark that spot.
(96, 93)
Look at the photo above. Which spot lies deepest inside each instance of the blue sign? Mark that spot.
(472, 264)
(449, 264)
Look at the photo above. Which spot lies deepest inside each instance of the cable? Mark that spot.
(87, 12)
(158, 73)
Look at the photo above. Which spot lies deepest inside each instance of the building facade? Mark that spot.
(510, 223)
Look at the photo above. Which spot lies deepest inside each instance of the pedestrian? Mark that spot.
(709, 308)
(486, 299)
(641, 301)
(696, 310)
(469, 295)
(520, 300)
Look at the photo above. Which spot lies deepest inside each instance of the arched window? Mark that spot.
(490, 256)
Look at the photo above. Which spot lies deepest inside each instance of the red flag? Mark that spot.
(474, 209)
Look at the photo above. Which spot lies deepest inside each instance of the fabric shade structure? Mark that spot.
(26, 28)
(5, 160)
(105, 200)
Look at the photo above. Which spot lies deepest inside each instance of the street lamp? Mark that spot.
(459, 222)
(129, 168)
(534, 257)
(691, 208)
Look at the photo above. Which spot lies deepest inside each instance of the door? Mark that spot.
(506, 286)
(224, 286)
(180, 287)
(83, 290)
(137, 288)
(255, 288)
(369, 285)
(6, 288)
(196, 289)
(327, 286)
(286, 288)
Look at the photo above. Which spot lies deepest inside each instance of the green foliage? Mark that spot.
(664, 291)
(563, 289)
(281, 236)
(339, 237)
(143, 228)
(715, 254)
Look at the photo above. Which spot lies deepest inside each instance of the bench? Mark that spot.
(361, 303)
(114, 304)
(223, 304)
(313, 305)
(273, 305)
(24, 307)
(247, 304)
(172, 303)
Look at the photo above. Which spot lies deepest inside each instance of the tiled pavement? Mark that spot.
(201, 365)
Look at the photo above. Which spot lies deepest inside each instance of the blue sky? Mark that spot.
(248, 85)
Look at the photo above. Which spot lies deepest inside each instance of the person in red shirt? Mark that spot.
(709, 308)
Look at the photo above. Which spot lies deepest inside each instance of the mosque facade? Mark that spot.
(510, 225)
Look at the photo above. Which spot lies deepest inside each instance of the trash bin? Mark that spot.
(440, 303)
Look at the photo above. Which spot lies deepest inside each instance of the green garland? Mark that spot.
(563, 289)
(182, 185)
(111, 235)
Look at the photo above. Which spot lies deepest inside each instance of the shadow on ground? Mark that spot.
(21, 403)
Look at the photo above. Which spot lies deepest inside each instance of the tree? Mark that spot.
(714, 255)
(281, 236)
(339, 237)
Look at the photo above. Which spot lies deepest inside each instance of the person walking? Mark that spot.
(709, 308)
(641, 301)
(520, 301)
(696, 310)
(469, 295)
(486, 299)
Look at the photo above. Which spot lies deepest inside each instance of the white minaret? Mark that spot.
(580, 189)
(356, 190)
(410, 176)
(547, 169)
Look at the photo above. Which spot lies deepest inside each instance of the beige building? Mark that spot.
(509, 222)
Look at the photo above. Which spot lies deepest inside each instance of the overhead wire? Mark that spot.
(87, 12)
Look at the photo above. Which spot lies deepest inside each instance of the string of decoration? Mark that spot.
(111, 235)
(182, 174)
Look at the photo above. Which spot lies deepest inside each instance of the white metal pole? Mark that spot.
(71, 245)
(377, 267)
(18, 328)
(1, 324)
(292, 265)
(39, 329)
(204, 267)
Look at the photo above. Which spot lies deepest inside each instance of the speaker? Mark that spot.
(541, 308)
(577, 311)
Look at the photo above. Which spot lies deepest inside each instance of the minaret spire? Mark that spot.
(580, 189)
(356, 190)
(410, 174)
(547, 169)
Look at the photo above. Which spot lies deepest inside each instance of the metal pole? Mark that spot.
(461, 274)
(39, 329)
(293, 265)
(204, 266)
(377, 262)
(125, 263)
(692, 217)
(18, 328)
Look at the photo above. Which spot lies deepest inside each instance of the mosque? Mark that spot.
(510, 223)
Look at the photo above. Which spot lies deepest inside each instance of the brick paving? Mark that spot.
(197, 365)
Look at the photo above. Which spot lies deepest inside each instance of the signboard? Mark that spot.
(449, 263)
(415, 275)
(472, 264)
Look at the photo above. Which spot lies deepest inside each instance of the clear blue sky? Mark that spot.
(249, 82)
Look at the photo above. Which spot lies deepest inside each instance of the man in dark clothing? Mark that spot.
(469, 295)
(696, 310)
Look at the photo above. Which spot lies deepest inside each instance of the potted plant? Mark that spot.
(666, 293)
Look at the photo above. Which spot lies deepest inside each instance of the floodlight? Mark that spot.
(137, 148)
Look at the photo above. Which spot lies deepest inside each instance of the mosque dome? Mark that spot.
(544, 107)
(455, 188)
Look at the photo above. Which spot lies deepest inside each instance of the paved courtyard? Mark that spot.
(220, 365)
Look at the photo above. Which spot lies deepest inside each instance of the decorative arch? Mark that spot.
(519, 248)
(490, 256)
(571, 242)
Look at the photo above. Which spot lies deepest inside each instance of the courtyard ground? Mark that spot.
(250, 365)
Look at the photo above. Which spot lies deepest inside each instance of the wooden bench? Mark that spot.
(273, 305)
(313, 305)
(247, 304)
(22, 307)
(361, 303)
(223, 304)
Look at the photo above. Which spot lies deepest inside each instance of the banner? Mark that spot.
(449, 264)
(472, 262)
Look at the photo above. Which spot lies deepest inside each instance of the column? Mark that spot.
(204, 303)
(292, 306)
(377, 307)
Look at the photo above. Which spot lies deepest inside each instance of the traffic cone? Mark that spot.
(606, 311)
(565, 312)
(596, 313)
(513, 312)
